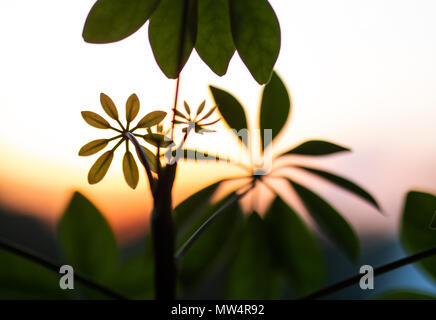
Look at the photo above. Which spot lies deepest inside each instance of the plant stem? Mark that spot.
(377, 271)
(50, 265)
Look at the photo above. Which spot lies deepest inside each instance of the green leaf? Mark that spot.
(343, 183)
(186, 105)
(230, 109)
(86, 238)
(130, 170)
(274, 109)
(214, 36)
(256, 34)
(100, 167)
(404, 295)
(251, 275)
(108, 106)
(214, 247)
(316, 148)
(294, 248)
(151, 157)
(132, 108)
(95, 120)
(113, 20)
(93, 147)
(151, 119)
(330, 221)
(169, 32)
(416, 232)
(158, 140)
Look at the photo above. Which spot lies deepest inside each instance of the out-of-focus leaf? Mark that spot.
(343, 183)
(151, 119)
(231, 110)
(158, 140)
(191, 154)
(251, 274)
(167, 36)
(100, 167)
(274, 108)
(214, 36)
(113, 20)
(295, 249)
(108, 106)
(151, 157)
(330, 221)
(93, 147)
(86, 239)
(404, 295)
(416, 232)
(316, 148)
(23, 279)
(132, 108)
(214, 247)
(256, 35)
(130, 170)
(95, 120)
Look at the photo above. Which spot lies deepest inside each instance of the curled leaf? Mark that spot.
(95, 120)
(132, 108)
(151, 119)
(100, 167)
(109, 106)
(93, 147)
(158, 140)
(130, 170)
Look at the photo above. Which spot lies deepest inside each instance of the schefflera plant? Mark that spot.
(260, 251)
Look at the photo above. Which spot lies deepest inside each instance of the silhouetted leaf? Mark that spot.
(158, 140)
(213, 247)
(295, 249)
(166, 34)
(256, 34)
(214, 36)
(108, 106)
(114, 20)
(151, 119)
(316, 148)
(404, 295)
(93, 147)
(100, 167)
(188, 110)
(251, 275)
(208, 114)
(130, 170)
(86, 238)
(200, 108)
(151, 157)
(274, 109)
(330, 221)
(343, 183)
(416, 232)
(231, 110)
(95, 120)
(132, 108)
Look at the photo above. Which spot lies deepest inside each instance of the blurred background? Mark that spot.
(361, 74)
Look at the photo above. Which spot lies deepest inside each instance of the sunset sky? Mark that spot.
(361, 74)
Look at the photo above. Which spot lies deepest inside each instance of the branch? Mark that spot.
(28, 255)
(203, 227)
(377, 271)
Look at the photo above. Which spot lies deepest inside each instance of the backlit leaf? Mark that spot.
(214, 36)
(231, 110)
(158, 140)
(132, 108)
(186, 105)
(274, 109)
(151, 119)
(93, 147)
(130, 170)
(316, 148)
(167, 36)
(151, 158)
(95, 120)
(256, 35)
(330, 221)
(113, 20)
(100, 167)
(108, 106)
